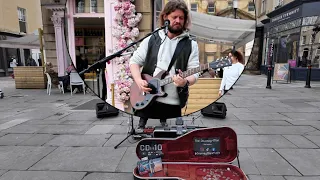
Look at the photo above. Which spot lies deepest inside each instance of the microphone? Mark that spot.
(166, 26)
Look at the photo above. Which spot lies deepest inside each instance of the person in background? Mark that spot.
(231, 73)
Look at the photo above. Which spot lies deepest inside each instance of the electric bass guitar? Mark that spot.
(139, 100)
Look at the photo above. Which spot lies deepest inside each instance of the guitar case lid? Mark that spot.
(207, 145)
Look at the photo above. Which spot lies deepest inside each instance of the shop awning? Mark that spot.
(29, 41)
(225, 30)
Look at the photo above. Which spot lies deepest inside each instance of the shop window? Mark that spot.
(158, 5)
(251, 6)
(22, 19)
(194, 7)
(211, 8)
(318, 52)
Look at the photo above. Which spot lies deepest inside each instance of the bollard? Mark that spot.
(269, 77)
(308, 77)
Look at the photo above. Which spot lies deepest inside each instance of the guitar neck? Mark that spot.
(185, 74)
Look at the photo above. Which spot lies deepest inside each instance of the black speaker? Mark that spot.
(216, 109)
(105, 110)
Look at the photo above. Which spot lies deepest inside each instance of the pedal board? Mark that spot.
(172, 132)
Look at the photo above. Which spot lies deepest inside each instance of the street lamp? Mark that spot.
(315, 31)
(235, 7)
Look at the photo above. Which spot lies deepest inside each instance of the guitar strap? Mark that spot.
(176, 53)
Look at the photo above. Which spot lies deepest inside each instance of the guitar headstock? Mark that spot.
(220, 63)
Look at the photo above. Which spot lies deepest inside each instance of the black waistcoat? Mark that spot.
(181, 61)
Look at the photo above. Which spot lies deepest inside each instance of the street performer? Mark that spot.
(154, 54)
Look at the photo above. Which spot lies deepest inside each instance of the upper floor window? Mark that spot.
(80, 6)
(211, 8)
(93, 6)
(251, 6)
(158, 4)
(194, 7)
(22, 19)
(230, 4)
(278, 3)
(263, 6)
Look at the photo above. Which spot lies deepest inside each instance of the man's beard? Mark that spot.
(175, 31)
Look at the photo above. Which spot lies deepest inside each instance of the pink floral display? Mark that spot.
(125, 31)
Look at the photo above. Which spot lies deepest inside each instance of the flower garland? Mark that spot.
(125, 31)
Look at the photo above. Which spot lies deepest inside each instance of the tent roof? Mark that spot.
(29, 41)
(225, 30)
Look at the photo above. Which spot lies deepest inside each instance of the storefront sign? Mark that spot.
(291, 14)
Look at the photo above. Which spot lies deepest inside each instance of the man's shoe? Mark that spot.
(140, 130)
(164, 124)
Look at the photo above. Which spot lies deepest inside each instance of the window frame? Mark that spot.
(22, 18)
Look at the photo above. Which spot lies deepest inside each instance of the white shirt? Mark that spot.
(230, 75)
(166, 51)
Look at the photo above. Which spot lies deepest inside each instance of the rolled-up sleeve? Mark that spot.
(194, 58)
(140, 54)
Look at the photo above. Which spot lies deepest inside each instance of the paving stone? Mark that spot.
(80, 116)
(225, 122)
(12, 123)
(272, 123)
(303, 116)
(21, 157)
(2, 172)
(109, 176)
(65, 129)
(43, 122)
(117, 138)
(119, 129)
(260, 116)
(128, 161)
(108, 122)
(242, 129)
(283, 129)
(302, 178)
(28, 129)
(306, 161)
(246, 162)
(100, 129)
(102, 159)
(264, 141)
(303, 122)
(269, 162)
(305, 109)
(300, 141)
(258, 177)
(42, 175)
(79, 140)
(269, 109)
(314, 139)
(37, 140)
(77, 122)
(14, 139)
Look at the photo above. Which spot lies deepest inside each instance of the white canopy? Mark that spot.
(29, 41)
(226, 30)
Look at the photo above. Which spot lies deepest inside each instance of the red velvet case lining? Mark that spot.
(181, 150)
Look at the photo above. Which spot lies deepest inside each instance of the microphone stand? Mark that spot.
(100, 63)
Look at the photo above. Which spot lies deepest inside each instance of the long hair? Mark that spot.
(238, 55)
(173, 5)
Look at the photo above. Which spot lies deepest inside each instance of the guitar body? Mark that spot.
(138, 99)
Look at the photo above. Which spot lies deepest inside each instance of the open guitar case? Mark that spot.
(200, 154)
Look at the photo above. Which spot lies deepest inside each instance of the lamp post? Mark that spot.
(235, 7)
(315, 31)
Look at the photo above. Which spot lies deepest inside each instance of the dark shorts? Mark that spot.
(158, 110)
